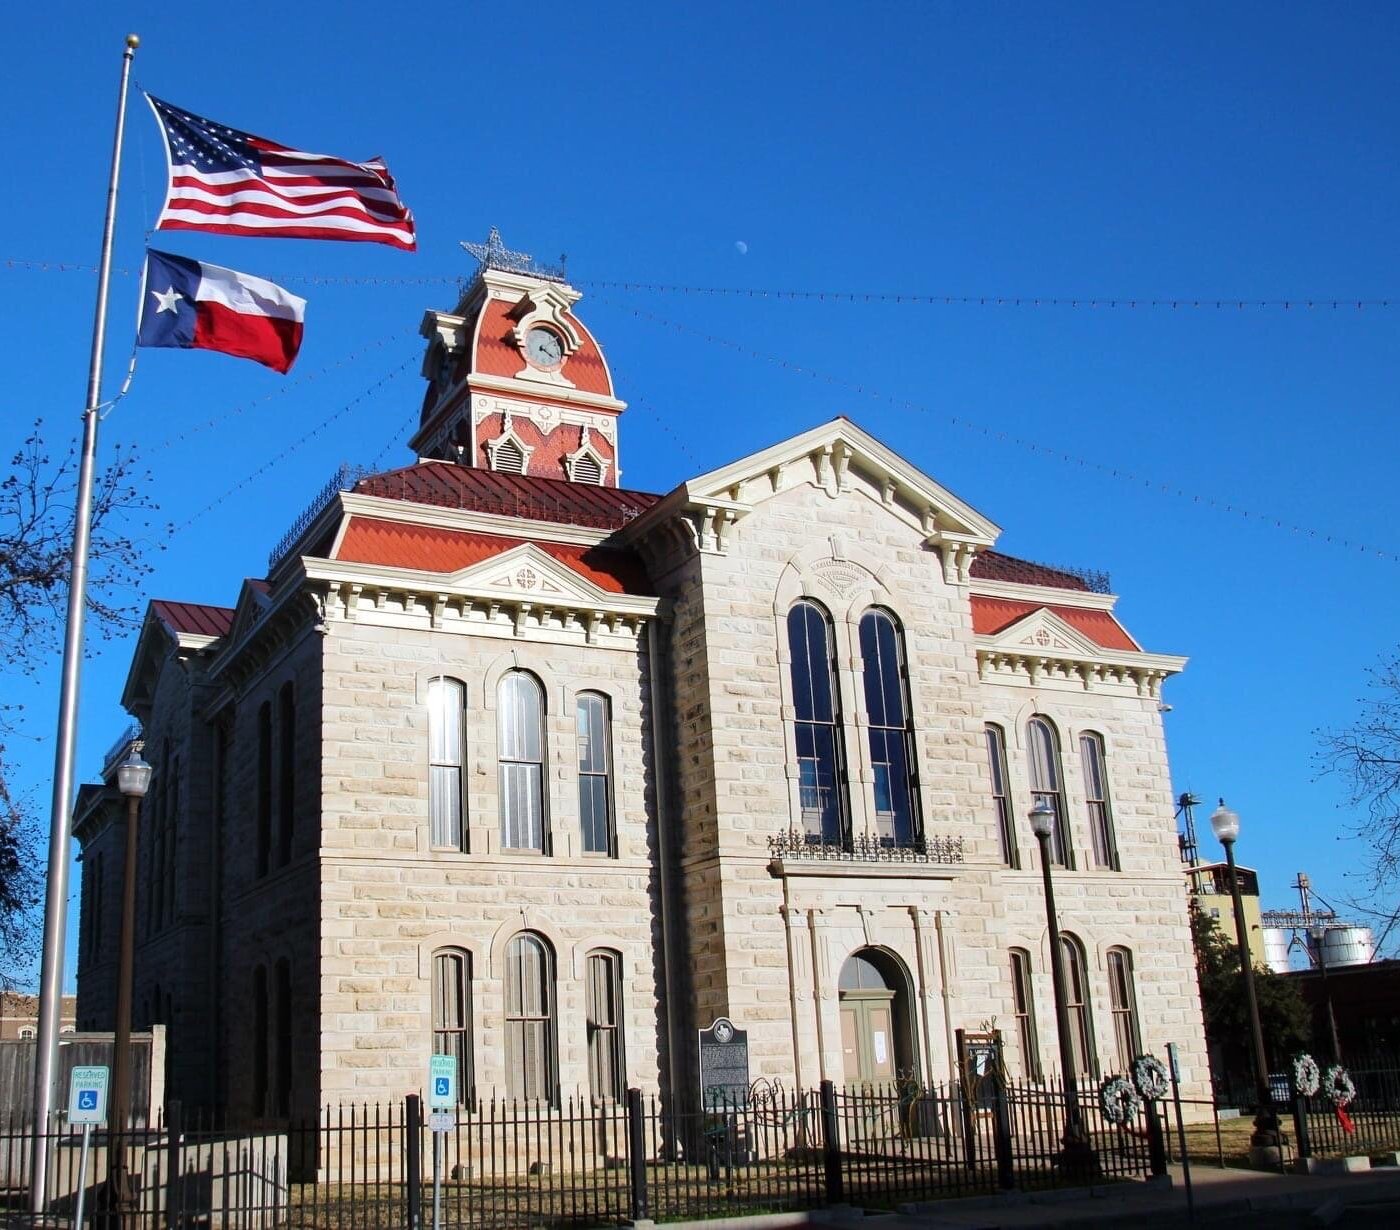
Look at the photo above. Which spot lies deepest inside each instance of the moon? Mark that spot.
(741, 247)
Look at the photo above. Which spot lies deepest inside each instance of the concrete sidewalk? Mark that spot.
(1222, 1197)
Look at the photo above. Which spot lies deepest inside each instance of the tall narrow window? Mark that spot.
(1023, 1004)
(264, 790)
(1081, 1020)
(606, 1075)
(452, 1018)
(446, 705)
(821, 770)
(286, 772)
(520, 704)
(1044, 747)
(171, 824)
(1122, 999)
(1091, 756)
(1001, 795)
(530, 1018)
(282, 1097)
(260, 1040)
(591, 716)
(893, 756)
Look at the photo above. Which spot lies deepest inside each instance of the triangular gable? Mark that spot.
(1045, 632)
(252, 602)
(839, 446)
(528, 573)
(153, 645)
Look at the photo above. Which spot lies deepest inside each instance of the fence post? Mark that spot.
(636, 1155)
(831, 1144)
(1300, 1126)
(1156, 1141)
(1001, 1126)
(413, 1169)
(174, 1130)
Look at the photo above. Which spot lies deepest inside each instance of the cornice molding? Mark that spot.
(1001, 663)
(1042, 595)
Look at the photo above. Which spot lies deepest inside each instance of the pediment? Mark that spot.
(528, 574)
(1042, 631)
(153, 645)
(252, 602)
(837, 453)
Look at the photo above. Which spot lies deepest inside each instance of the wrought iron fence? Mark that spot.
(514, 1164)
(1368, 1125)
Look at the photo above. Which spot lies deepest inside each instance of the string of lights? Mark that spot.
(1119, 473)
(309, 435)
(221, 419)
(1097, 302)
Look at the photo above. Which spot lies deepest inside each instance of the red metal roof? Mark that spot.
(195, 618)
(991, 615)
(513, 495)
(994, 566)
(368, 540)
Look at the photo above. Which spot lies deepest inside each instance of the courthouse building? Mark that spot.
(505, 760)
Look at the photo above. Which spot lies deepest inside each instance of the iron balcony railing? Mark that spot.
(863, 848)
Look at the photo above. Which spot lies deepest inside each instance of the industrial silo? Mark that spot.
(1348, 946)
(1276, 942)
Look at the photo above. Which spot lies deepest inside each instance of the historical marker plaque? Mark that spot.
(724, 1066)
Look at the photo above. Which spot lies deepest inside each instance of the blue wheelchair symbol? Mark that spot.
(442, 1087)
(87, 1099)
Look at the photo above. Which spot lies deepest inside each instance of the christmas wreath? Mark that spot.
(1307, 1078)
(1339, 1086)
(1118, 1100)
(1151, 1077)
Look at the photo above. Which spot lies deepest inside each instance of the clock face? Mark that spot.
(544, 348)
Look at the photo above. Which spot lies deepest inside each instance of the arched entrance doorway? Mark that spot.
(876, 1034)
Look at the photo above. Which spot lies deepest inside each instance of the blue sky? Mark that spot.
(1122, 151)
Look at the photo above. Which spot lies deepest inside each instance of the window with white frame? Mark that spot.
(452, 1016)
(606, 1075)
(1078, 1008)
(594, 772)
(530, 1064)
(1122, 1001)
(446, 751)
(1095, 766)
(1043, 748)
(520, 733)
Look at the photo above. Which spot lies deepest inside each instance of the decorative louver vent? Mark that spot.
(508, 457)
(587, 470)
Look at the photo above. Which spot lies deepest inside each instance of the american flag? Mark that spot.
(234, 183)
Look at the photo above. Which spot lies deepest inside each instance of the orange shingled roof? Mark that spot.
(368, 540)
(991, 615)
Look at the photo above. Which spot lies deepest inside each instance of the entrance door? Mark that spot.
(868, 1050)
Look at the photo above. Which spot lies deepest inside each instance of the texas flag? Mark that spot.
(194, 305)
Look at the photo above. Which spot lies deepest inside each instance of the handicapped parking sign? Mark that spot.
(442, 1081)
(87, 1094)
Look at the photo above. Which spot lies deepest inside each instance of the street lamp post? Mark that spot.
(133, 779)
(1318, 933)
(1079, 1156)
(1265, 1143)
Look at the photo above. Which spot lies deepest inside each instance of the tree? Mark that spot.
(1284, 1017)
(37, 501)
(1366, 755)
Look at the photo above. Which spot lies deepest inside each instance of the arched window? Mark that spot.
(893, 757)
(286, 775)
(1023, 1005)
(1001, 794)
(821, 768)
(520, 731)
(530, 1067)
(264, 792)
(1091, 756)
(607, 1077)
(260, 1040)
(1081, 1018)
(452, 1016)
(1044, 747)
(26, 1032)
(446, 703)
(594, 770)
(1122, 1000)
(282, 1095)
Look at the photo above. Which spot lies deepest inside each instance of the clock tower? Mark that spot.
(516, 383)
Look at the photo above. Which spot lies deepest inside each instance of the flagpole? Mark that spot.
(56, 897)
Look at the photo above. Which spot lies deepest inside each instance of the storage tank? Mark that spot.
(1348, 946)
(1276, 942)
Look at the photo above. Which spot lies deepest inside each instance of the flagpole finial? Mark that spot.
(133, 41)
